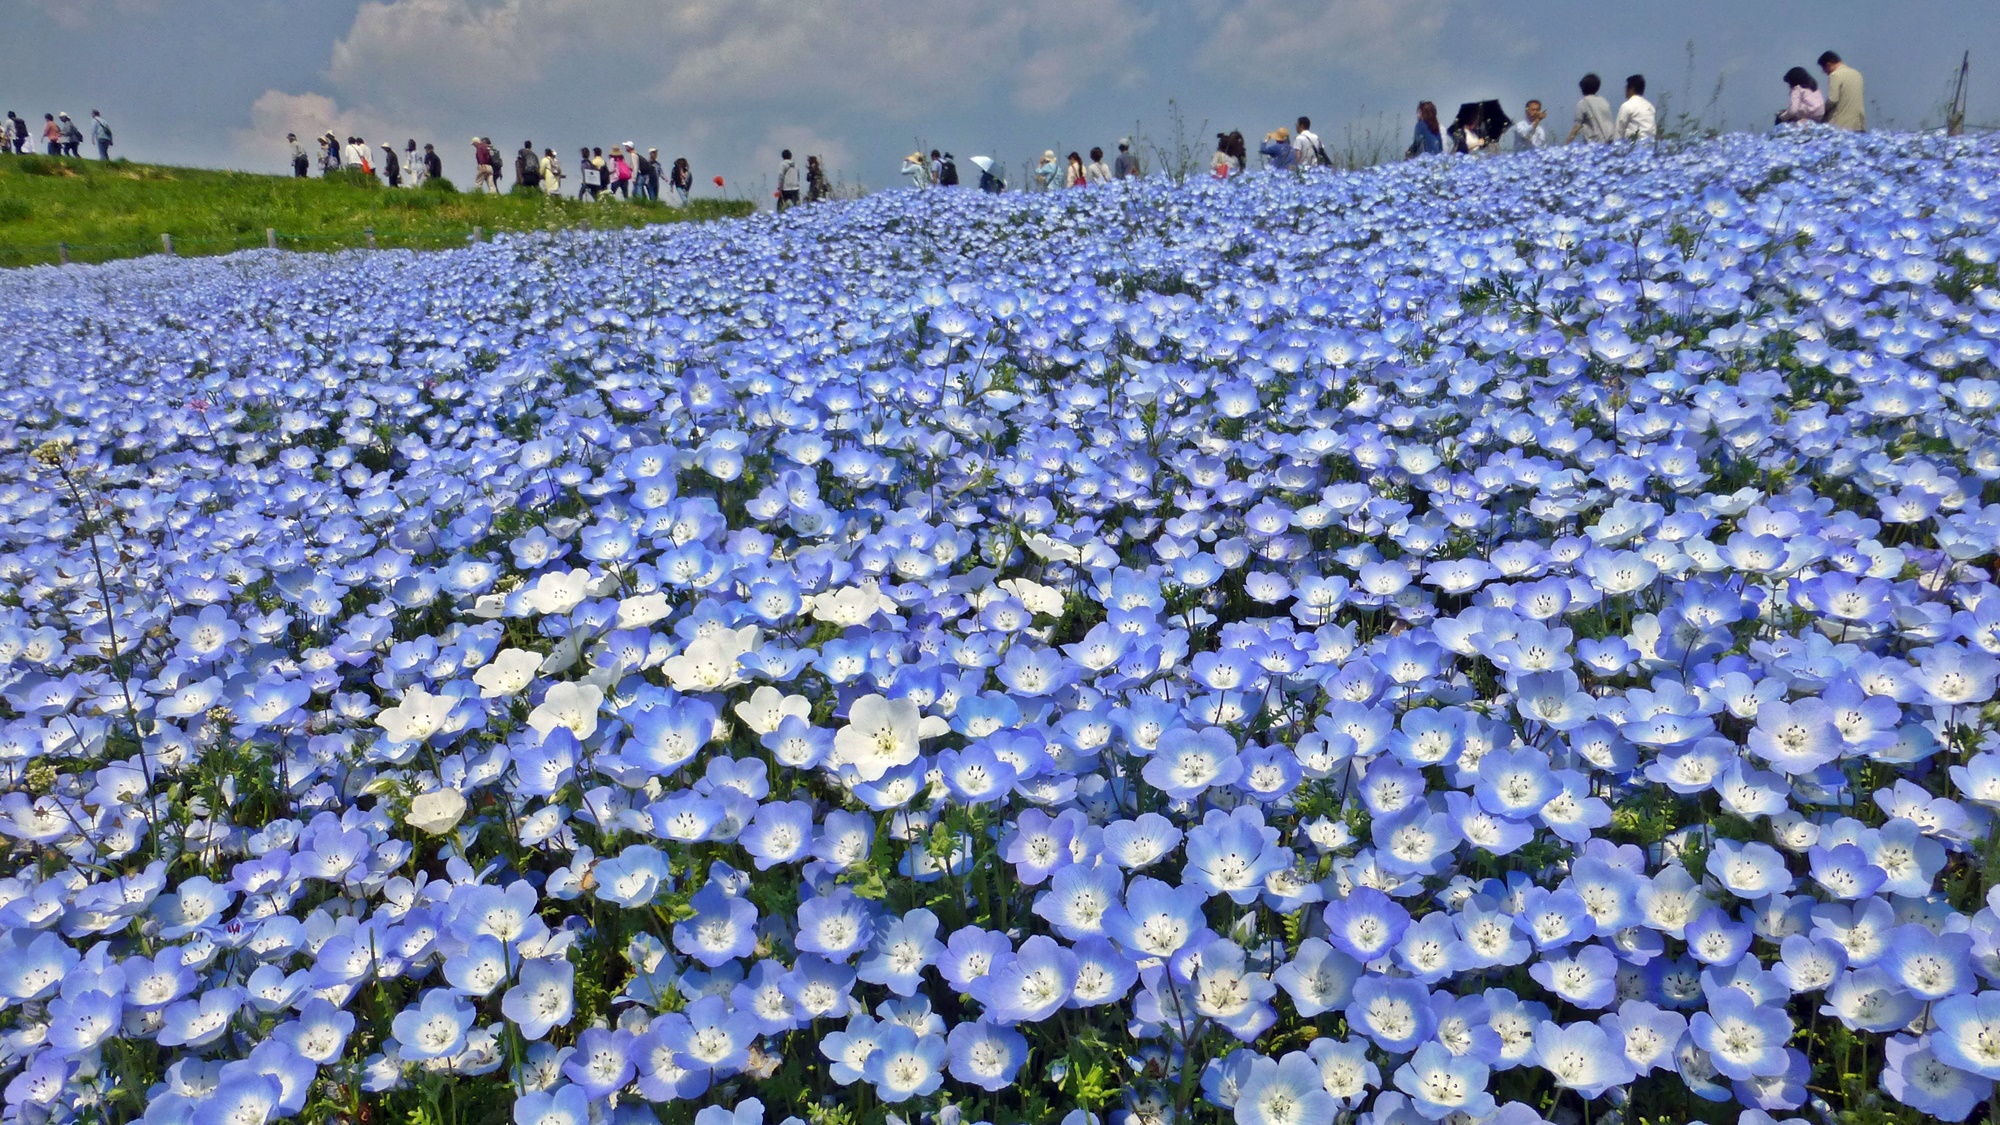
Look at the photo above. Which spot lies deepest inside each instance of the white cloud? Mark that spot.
(902, 58)
(276, 113)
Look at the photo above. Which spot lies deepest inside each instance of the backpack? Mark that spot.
(949, 176)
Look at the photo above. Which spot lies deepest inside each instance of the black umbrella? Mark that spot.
(1488, 118)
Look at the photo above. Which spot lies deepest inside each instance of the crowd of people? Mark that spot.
(1478, 127)
(1484, 126)
(60, 135)
(621, 173)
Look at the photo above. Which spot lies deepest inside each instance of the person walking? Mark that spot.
(1426, 139)
(817, 187)
(482, 168)
(329, 155)
(414, 173)
(433, 164)
(649, 174)
(17, 134)
(1307, 152)
(72, 137)
(788, 182)
(1846, 107)
(551, 171)
(392, 168)
(1125, 166)
(1047, 172)
(300, 163)
(1593, 121)
(527, 167)
(1074, 175)
(100, 135)
(52, 134)
(1097, 171)
(1806, 103)
(1529, 134)
(682, 180)
(589, 178)
(948, 171)
(621, 173)
(1637, 120)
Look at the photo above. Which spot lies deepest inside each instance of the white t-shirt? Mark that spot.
(1636, 120)
(1305, 148)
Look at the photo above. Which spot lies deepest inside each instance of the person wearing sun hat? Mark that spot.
(1048, 170)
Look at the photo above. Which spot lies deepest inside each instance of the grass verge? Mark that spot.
(120, 209)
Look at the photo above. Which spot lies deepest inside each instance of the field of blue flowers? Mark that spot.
(1478, 641)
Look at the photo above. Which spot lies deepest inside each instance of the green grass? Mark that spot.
(120, 210)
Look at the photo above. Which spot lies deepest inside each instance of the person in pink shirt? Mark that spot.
(621, 173)
(1807, 103)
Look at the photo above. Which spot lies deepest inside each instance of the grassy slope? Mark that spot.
(119, 210)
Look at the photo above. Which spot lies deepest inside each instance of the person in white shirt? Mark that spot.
(1306, 150)
(1637, 120)
(1528, 132)
(1097, 171)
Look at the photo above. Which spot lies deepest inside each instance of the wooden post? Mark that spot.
(370, 233)
(62, 249)
(270, 238)
(478, 234)
(167, 242)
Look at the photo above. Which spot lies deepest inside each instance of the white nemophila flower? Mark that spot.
(569, 705)
(508, 673)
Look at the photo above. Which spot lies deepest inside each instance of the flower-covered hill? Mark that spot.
(1491, 640)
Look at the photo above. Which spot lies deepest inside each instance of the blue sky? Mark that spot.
(729, 82)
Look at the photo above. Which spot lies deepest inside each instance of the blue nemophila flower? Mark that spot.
(904, 1065)
(1188, 762)
(1580, 1057)
(1395, 1012)
(1930, 965)
(723, 928)
(1029, 986)
(970, 955)
(1366, 924)
(985, 1054)
(1285, 1091)
(1749, 869)
(1233, 853)
(1441, 1084)
(903, 948)
(544, 998)
(1079, 898)
(1318, 978)
(1918, 1078)
(1156, 919)
(1586, 977)
(836, 926)
(1869, 999)
(1227, 993)
(437, 1026)
(1743, 1040)
(1968, 1033)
